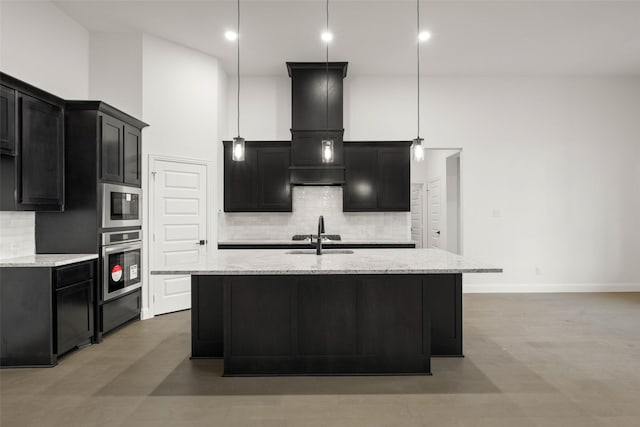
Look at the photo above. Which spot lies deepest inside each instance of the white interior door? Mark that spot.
(435, 212)
(416, 214)
(179, 228)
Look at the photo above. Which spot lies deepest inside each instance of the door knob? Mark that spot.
(438, 232)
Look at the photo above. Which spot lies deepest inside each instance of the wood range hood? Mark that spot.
(312, 121)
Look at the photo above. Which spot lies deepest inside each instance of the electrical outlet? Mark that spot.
(497, 213)
(538, 271)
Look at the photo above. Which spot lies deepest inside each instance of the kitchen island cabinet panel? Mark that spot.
(206, 316)
(261, 310)
(327, 316)
(391, 315)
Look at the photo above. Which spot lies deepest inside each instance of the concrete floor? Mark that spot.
(531, 360)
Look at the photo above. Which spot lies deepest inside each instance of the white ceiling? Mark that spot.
(377, 37)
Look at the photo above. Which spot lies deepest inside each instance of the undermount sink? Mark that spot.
(324, 252)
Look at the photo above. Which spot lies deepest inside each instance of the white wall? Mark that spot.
(550, 171)
(180, 102)
(115, 70)
(42, 46)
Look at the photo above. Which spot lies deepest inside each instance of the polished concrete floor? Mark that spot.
(531, 360)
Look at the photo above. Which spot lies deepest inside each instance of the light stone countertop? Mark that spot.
(307, 242)
(46, 260)
(361, 261)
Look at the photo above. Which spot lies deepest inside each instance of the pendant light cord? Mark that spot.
(418, 57)
(238, 66)
(327, 67)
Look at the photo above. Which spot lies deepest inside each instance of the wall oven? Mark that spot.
(121, 206)
(121, 263)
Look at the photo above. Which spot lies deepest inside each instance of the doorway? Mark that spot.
(440, 177)
(179, 228)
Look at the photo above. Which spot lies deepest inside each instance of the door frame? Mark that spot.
(149, 239)
(461, 183)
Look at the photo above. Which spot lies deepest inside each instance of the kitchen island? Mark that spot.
(292, 312)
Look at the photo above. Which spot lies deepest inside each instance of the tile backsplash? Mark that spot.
(17, 234)
(308, 204)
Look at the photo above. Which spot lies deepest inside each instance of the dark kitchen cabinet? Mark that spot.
(32, 148)
(120, 152)
(260, 183)
(132, 156)
(377, 177)
(54, 307)
(7, 121)
(111, 149)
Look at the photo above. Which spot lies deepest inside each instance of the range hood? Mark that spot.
(310, 123)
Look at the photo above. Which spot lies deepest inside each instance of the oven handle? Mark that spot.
(121, 248)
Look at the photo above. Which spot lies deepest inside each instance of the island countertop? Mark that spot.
(361, 261)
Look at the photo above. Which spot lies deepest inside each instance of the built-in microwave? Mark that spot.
(121, 206)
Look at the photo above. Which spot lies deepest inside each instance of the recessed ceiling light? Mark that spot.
(326, 36)
(231, 35)
(423, 36)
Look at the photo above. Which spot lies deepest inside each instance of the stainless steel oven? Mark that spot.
(121, 206)
(121, 262)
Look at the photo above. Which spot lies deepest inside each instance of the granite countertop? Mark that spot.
(46, 260)
(361, 261)
(307, 242)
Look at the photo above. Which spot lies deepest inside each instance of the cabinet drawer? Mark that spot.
(73, 273)
(118, 311)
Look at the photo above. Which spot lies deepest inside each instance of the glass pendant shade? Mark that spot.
(238, 149)
(418, 149)
(327, 151)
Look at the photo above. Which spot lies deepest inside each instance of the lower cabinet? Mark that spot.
(45, 312)
(118, 311)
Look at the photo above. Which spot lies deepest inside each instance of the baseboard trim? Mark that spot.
(145, 314)
(497, 288)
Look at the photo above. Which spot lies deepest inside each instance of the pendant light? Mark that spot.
(238, 147)
(326, 146)
(417, 146)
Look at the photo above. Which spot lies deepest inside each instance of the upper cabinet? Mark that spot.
(119, 151)
(260, 183)
(7, 120)
(32, 148)
(377, 176)
(118, 136)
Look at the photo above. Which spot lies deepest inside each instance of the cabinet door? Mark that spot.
(240, 181)
(41, 164)
(360, 188)
(394, 187)
(7, 121)
(274, 190)
(74, 316)
(132, 156)
(111, 149)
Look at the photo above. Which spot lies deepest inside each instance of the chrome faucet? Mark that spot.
(320, 232)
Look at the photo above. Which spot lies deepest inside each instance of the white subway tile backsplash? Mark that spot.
(17, 234)
(308, 204)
